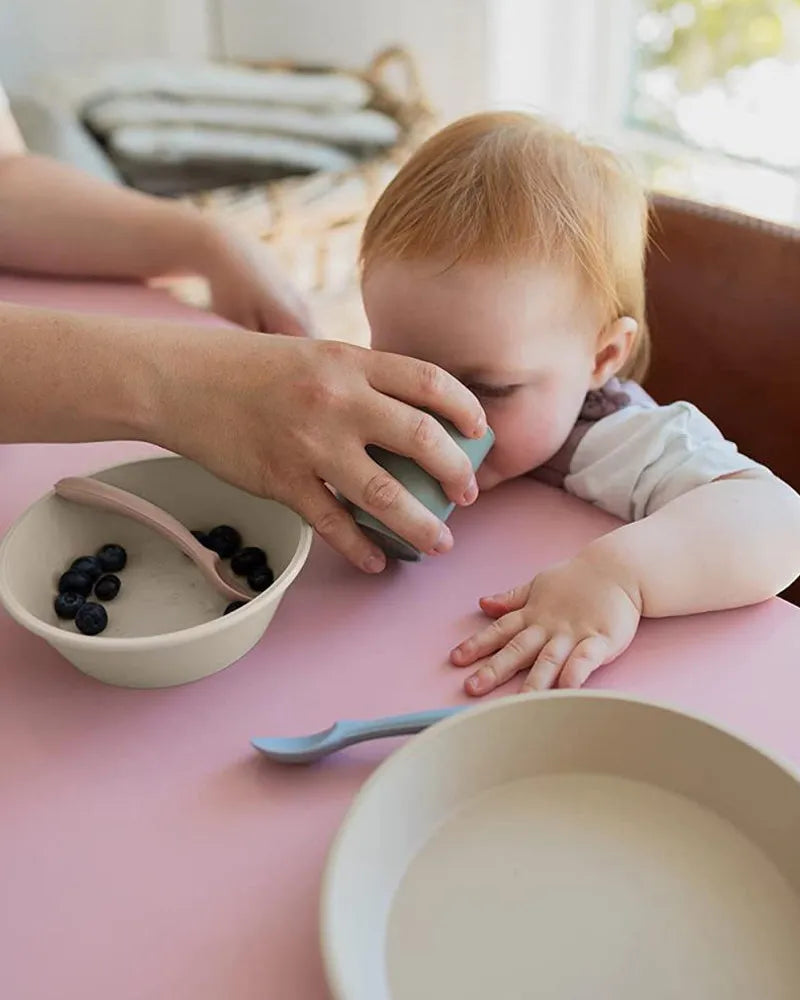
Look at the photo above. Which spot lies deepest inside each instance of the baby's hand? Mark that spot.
(562, 626)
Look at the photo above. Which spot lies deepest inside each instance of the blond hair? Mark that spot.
(500, 185)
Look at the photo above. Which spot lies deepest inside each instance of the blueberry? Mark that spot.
(224, 540)
(202, 537)
(76, 583)
(107, 587)
(67, 604)
(112, 558)
(234, 606)
(247, 560)
(260, 579)
(91, 618)
(90, 565)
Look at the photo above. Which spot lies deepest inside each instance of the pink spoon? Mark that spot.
(93, 493)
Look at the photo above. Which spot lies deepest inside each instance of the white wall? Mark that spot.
(45, 35)
(449, 37)
(570, 59)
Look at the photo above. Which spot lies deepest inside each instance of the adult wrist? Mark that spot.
(207, 241)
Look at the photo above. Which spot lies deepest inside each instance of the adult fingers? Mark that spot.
(293, 320)
(334, 524)
(377, 492)
(400, 429)
(422, 384)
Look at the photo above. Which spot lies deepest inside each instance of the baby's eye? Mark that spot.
(493, 391)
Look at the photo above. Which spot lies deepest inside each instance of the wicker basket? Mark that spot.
(313, 223)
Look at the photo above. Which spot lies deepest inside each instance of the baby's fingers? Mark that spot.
(585, 658)
(509, 600)
(549, 663)
(518, 653)
(488, 640)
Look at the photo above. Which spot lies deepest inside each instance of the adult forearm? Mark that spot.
(728, 544)
(58, 220)
(277, 416)
(70, 377)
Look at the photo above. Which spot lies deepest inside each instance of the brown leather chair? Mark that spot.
(723, 302)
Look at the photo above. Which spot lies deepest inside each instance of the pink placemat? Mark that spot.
(146, 853)
(120, 298)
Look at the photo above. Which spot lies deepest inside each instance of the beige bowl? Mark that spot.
(568, 846)
(166, 626)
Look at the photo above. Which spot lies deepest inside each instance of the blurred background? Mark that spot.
(703, 96)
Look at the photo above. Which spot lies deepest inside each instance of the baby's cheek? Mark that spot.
(488, 477)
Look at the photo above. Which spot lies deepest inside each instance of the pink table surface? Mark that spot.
(146, 853)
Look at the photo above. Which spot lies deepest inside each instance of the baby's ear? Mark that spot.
(614, 345)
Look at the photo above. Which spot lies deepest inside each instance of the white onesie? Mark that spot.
(630, 456)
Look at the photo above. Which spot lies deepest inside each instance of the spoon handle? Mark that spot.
(93, 493)
(356, 731)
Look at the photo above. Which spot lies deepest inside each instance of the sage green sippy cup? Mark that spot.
(422, 486)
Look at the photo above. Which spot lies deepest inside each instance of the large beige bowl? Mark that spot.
(166, 627)
(568, 846)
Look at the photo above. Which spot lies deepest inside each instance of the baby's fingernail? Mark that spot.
(480, 427)
(473, 685)
(444, 542)
(375, 563)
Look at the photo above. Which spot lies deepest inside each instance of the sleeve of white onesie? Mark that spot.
(635, 461)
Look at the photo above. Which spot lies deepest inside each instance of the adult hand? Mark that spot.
(281, 417)
(249, 288)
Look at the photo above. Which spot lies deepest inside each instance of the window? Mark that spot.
(716, 91)
(703, 95)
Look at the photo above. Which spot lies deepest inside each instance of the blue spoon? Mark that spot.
(307, 749)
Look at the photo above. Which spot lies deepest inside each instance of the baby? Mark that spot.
(512, 254)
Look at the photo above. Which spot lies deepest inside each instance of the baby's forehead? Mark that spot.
(516, 297)
(475, 321)
(470, 277)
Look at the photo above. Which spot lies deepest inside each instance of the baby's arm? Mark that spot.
(697, 546)
(732, 542)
